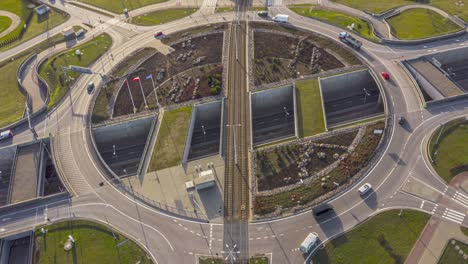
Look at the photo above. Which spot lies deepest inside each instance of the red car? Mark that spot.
(385, 75)
(158, 35)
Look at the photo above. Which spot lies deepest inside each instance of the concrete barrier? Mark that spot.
(424, 40)
(148, 150)
(420, 96)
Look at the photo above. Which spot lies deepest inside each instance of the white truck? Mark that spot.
(309, 242)
(281, 18)
(350, 40)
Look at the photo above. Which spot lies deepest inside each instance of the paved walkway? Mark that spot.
(437, 233)
(15, 21)
(31, 84)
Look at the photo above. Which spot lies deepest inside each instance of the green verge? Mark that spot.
(385, 238)
(51, 69)
(375, 6)
(259, 260)
(224, 9)
(451, 144)
(307, 193)
(342, 20)
(379, 6)
(169, 147)
(5, 23)
(100, 112)
(11, 99)
(95, 243)
(37, 25)
(118, 6)
(464, 230)
(451, 255)
(421, 23)
(309, 103)
(162, 16)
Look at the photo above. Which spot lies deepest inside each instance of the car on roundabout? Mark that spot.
(159, 35)
(386, 76)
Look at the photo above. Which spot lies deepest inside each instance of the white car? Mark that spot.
(308, 242)
(365, 188)
(6, 134)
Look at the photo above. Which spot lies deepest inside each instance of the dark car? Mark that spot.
(90, 87)
(262, 13)
(401, 120)
(322, 209)
(158, 35)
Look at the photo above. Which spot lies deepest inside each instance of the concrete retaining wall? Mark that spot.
(116, 132)
(423, 83)
(353, 82)
(450, 56)
(264, 101)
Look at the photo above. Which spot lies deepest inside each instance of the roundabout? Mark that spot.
(399, 170)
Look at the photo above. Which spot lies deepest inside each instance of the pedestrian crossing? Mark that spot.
(210, 3)
(274, 2)
(460, 198)
(453, 216)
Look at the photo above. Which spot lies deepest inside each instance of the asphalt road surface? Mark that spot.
(171, 239)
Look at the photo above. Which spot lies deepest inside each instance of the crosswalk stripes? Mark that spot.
(209, 2)
(460, 198)
(453, 216)
(274, 2)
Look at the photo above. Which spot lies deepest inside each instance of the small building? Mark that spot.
(68, 33)
(42, 10)
(205, 180)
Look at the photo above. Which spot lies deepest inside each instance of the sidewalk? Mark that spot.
(437, 233)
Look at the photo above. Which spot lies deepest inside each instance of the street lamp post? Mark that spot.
(366, 93)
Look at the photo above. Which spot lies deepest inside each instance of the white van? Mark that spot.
(365, 188)
(308, 242)
(6, 134)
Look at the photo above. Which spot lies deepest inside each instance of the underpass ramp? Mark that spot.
(25, 179)
(435, 77)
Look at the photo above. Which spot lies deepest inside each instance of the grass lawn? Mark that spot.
(51, 69)
(11, 99)
(258, 8)
(102, 101)
(259, 260)
(464, 230)
(37, 24)
(117, 6)
(210, 260)
(452, 149)
(309, 102)
(420, 23)
(336, 18)
(385, 238)
(379, 6)
(162, 16)
(170, 144)
(451, 255)
(224, 9)
(375, 6)
(94, 243)
(5, 23)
